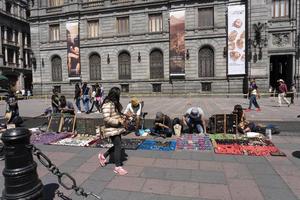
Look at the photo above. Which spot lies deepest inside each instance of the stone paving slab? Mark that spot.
(182, 175)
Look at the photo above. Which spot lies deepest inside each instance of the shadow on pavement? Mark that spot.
(296, 154)
(49, 191)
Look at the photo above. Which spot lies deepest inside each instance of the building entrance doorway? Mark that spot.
(281, 67)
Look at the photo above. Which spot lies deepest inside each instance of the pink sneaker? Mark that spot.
(102, 159)
(120, 171)
(248, 110)
(258, 110)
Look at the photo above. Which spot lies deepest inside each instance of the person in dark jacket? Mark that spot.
(86, 96)
(77, 97)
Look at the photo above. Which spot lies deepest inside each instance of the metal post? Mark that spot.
(21, 180)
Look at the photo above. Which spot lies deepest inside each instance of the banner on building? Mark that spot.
(73, 62)
(177, 43)
(236, 40)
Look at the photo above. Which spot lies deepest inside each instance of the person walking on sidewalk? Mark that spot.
(294, 92)
(282, 92)
(77, 97)
(253, 95)
(86, 93)
(113, 128)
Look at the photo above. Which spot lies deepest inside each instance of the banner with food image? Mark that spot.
(236, 40)
(177, 43)
(73, 54)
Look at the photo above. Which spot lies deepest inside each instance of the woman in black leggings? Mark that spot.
(114, 127)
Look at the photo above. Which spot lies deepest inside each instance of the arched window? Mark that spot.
(124, 66)
(156, 64)
(95, 67)
(56, 68)
(206, 62)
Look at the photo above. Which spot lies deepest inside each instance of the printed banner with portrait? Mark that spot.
(73, 51)
(236, 40)
(177, 43)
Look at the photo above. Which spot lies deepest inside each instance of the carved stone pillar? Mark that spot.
(5, 34)
(6, 56)
(21, 50)
(26, 58)
(0, 42)
(14, 58)
(13, 36)
(25, 39)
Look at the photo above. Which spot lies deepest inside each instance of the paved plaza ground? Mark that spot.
(182, 175)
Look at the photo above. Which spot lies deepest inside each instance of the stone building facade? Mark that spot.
(15, 48)
(125, 43)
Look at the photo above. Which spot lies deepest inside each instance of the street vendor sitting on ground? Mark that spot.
(66, 106)
(244, 126)
(194, 119)
(162, 125)
(133, 111)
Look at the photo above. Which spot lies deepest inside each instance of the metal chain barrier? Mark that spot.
(44, 160)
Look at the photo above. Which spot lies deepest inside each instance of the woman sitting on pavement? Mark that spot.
(244, 126)
(114, 127)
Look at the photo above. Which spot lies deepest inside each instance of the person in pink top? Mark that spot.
(282, 92)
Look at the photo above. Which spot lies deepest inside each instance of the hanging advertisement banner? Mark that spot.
(177, 43)
(73, 50)
(236, 40)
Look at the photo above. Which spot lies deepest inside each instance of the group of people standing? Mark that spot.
(253, 94)
(87, 96)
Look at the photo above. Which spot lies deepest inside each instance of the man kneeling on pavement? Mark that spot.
(194, 119)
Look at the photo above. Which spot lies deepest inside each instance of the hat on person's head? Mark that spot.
(194, 113)
(159, 115)
(134, 101)
(280, 80)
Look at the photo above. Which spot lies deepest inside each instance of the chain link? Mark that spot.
(62, 176)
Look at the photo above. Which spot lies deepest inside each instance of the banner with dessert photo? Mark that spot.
(236, 40)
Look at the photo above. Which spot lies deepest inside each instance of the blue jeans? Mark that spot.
(77, 102)
(86, 103)
(194, 125)
(253, 101)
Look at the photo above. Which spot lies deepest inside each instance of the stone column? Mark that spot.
(6, 56)
(26, 58)
(5, 34)
(25, 39)
(21, 81)
(13, 36)
(14, 58)
(0, 43)
(21, 50)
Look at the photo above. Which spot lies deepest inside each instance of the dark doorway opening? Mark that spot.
(281, 67)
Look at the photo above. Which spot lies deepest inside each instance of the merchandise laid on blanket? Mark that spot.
(223, 133)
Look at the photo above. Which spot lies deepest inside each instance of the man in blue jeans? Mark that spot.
(194, 119)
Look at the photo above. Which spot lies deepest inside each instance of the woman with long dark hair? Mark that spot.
(114, 127)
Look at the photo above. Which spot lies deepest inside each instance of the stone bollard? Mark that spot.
(21, 178)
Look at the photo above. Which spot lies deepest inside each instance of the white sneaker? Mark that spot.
(78, 111)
